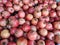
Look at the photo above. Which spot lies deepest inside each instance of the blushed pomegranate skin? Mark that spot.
(41, 24)
(5, 33)
(29, 16)
(29, 22)
(54, 14)
(37, 14)
(50, 36)
(4, 1)
(19, 33)
(53, 5)
(26, 1)
(57, 25)
(8, 4)
(26, 27)
(16, 1)
(16, 7)
(49, 26)
(43, 32)
(21, 14)
(45, 12)
(13, 30)
(5, 14)
(40, 42)
(22, 41)
(14, 23)
(32, 35)
(3, 22)
(21, 21)
(21, 3)
(1, 9)
(33, 28)
(25, 7)
(34, 21)
(31, 10)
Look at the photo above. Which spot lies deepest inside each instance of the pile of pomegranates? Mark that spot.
(29, 22)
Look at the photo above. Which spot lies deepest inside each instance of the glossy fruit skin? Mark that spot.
(32, 35)
(49, 26)
(57, 25)
(3, 22)
(13, 30)
(54, 14)
(29, 22)
(21, 21)
(37, 14)
(14, 23)
(5, 14)
(26, 1)
(16, 7)
(16, 1)
(45, 12)
(22, 41)
(5, 33)
(4, 1)
(26, 27)
(31, 10)
(25, 7)
(47, 19)
(21, 14)
(29, 17)
(43, 32)
(33, 28)
(54, 5)
(1, 9)
(19, 33)
(50, 36)
(9, 4)
(34, 21)
(21, 3)
(41, 24)
(40, 42)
